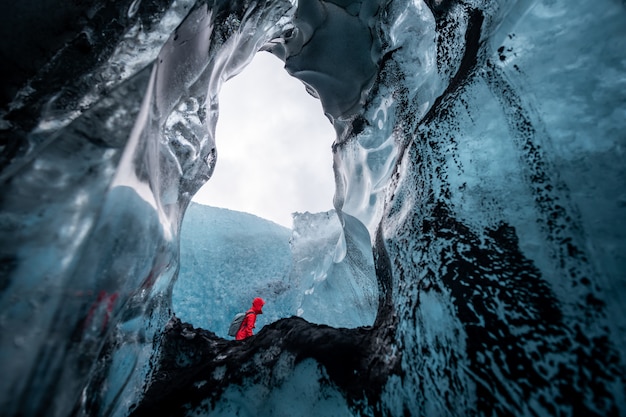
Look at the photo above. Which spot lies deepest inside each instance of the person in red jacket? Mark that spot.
(245, 330)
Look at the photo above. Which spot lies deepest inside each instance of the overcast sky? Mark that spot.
(274, 146)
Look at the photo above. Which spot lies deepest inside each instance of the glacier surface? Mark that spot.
(227, 258)
(479, 172)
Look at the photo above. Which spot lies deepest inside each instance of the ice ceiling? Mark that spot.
(479, 153)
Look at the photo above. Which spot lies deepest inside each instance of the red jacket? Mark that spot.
(245, 330)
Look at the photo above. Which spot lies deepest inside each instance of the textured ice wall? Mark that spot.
(118, 123)
(479, 143)
(495, 221)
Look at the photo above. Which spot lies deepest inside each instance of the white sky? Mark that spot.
(273, 146)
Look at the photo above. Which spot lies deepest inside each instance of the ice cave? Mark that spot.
(474, 263)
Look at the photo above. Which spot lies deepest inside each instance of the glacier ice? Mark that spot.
(227, 258)
(478, 160)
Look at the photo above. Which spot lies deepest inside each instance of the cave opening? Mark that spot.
(274, 159)
(274, 146)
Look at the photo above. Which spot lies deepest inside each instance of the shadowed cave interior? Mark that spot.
(479, 177)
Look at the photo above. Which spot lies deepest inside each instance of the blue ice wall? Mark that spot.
(227, 258)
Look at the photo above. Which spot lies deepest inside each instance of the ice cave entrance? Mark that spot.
(274, 146)
(274, 158)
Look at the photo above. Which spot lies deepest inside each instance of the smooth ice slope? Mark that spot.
(478, 159)
(228, 258)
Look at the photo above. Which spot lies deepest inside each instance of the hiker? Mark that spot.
(245, 330)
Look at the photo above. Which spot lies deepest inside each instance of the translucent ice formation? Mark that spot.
(479, 156)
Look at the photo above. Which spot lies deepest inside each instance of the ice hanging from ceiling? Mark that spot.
(479, 144)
